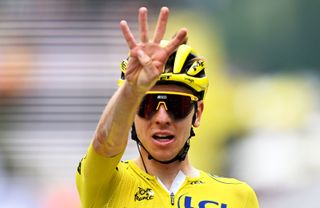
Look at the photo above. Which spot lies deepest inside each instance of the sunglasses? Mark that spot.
(177, 104)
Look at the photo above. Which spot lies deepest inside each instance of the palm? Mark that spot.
(147, 58)
(142, 75)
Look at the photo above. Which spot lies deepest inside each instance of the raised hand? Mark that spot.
(147, 58)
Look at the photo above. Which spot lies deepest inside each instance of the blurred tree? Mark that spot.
(271, 35)
(263, 36)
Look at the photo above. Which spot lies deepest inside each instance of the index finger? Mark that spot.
(176, 41)
(127, 34)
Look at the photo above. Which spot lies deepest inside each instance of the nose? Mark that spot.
(162, 116)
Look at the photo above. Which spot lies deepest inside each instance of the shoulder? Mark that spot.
(223, 180)
(231, 185)
(129, 171)
(123, 164)
(231, 191)
(128, 167)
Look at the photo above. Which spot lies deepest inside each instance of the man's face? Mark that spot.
(163, 135)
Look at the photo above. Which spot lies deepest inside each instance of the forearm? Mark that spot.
(112, 132)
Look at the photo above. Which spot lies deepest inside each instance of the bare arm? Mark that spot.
(146, 62)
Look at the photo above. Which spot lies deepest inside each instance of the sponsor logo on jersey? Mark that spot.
(196, 182)
(187, 202)
(144, 194)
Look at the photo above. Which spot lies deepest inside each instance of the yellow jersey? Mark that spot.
(107, 183)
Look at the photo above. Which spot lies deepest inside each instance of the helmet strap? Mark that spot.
(194, 117)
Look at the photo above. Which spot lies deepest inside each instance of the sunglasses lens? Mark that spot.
(147, 106)
(178, 106)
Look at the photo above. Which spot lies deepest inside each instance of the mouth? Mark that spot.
(160, 137)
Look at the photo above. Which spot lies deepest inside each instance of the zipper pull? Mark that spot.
(172, 198)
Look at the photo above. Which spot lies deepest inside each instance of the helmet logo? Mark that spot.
(196, 67)
(190, 80)
(198, 64)
(165, 77)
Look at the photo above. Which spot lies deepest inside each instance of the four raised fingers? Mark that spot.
(159, 31)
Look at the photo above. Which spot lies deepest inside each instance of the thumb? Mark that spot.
(149, 73)
(145, 60)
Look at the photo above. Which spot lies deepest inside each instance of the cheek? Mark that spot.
(184, 127)
(140, 125)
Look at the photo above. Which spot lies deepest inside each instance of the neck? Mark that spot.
(167, 172)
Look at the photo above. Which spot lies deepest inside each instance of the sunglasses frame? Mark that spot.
(192, 97)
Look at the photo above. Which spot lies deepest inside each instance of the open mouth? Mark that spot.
(162, 137)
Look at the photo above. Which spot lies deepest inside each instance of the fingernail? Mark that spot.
(140, 53)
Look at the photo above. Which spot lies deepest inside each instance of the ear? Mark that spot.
(198, 114)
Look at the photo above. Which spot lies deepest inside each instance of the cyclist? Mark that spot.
(160, 99)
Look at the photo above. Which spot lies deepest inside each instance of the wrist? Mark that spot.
(133, 90)
(132, 93)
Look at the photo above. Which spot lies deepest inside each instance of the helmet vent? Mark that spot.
(169, 65)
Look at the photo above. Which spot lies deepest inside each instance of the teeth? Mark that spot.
(163, 136)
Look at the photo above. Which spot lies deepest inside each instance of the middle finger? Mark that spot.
(161, 25)
(143, 24)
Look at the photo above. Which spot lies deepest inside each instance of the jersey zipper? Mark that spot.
(172, 198)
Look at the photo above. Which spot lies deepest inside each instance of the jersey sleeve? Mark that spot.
(252, 201)
(93, 176)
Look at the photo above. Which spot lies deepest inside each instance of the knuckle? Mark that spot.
(148, 62)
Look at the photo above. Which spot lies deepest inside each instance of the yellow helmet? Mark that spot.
(183, 67)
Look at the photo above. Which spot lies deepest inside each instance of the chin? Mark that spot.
(164, 156)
